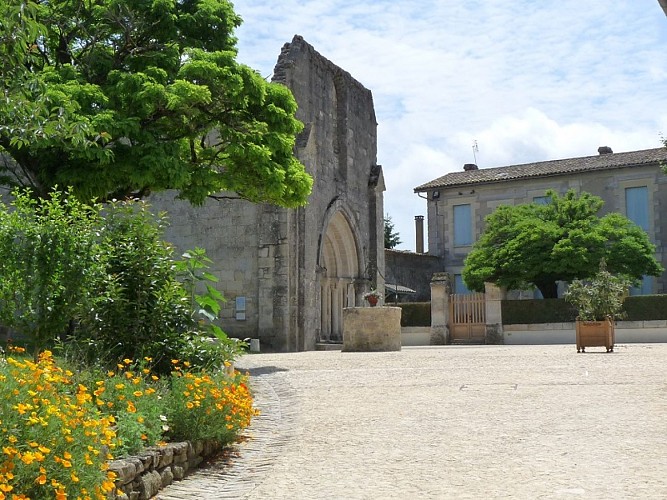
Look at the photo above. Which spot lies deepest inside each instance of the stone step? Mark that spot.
(329, 346)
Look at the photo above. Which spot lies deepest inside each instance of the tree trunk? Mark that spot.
(548, 290)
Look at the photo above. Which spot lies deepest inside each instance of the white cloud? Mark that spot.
(529, 81)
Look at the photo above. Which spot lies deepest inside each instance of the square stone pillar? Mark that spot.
(494, 316)
(440, 291)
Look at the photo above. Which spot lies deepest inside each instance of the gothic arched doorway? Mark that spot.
(340, 262)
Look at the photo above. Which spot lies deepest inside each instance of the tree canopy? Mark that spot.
(117, 99)
(533, 245)
(391, 237)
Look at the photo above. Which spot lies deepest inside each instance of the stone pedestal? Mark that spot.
(367, 329)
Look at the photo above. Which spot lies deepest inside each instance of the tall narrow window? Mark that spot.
(636, 209)
(462, 225)
(636, 206)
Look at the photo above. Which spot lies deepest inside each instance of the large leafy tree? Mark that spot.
(118, 98)
(533, 245)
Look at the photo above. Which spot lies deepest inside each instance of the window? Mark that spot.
(462, 225)
(636, 206)
(460, 286)
(541, 200)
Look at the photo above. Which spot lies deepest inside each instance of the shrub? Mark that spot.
(49, 262)
(415, 313)
(525, 312)
(645, 308)
(144, 311)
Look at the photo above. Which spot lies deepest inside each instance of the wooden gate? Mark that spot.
(467, 318)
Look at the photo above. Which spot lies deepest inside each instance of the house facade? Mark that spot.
(287, 274)
(630, 183)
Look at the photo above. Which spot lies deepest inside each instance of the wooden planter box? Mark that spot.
(595, 334)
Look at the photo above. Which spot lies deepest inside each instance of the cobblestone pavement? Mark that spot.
(450, 422)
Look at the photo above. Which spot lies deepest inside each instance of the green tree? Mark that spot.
(391, 237)
(538, 245)
(119, 98)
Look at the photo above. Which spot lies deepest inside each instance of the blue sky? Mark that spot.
(527, 80)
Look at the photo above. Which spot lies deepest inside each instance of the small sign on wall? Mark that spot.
(240, 308)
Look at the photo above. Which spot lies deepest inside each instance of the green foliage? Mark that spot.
(415, 313)
(391, 238)
(526, 312)
(599, 297)
(117, 99)
(143, 311)
(107, 287)
(645, 308)
(50, 261)
(533, 245)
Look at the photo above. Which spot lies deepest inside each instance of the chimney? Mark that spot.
(469, 166)
(419, 232)
(605, 150)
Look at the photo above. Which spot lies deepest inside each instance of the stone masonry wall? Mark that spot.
(413, 270)
(142, 476)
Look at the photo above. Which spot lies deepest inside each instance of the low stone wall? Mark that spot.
(142, 476)
(368, 329)
(627, 332)
(415, 335)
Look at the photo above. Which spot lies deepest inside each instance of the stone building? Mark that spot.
(287, 274)
(630, 183)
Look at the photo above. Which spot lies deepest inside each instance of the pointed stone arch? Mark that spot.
(339, 262)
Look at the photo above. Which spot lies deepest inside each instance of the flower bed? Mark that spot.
(64, 434)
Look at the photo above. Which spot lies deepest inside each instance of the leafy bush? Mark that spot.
(526, 312)
(599, 297)
(50, 261)
(143, 311)
(645, 308)
(415, 313)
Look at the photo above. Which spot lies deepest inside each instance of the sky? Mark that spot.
(524, 80)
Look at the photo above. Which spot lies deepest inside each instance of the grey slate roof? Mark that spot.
(547, 168)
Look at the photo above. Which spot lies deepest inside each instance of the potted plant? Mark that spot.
(372, 297)
(599, 302)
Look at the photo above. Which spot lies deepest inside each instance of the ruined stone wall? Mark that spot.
(270, 255)
(339, 149)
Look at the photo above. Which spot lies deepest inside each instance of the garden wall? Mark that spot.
(627, 332)
(142, 476)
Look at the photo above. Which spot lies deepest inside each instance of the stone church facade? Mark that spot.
(287, 274)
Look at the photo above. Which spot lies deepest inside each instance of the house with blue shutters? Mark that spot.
(631, 183)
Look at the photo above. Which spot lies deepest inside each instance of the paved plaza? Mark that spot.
(445, 422)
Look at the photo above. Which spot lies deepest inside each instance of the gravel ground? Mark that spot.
(450, 422)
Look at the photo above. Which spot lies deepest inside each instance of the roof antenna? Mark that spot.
(475, 149)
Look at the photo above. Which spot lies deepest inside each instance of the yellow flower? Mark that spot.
(127, 361)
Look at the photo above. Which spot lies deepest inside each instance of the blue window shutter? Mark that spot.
(636, 206)
(462, 225)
